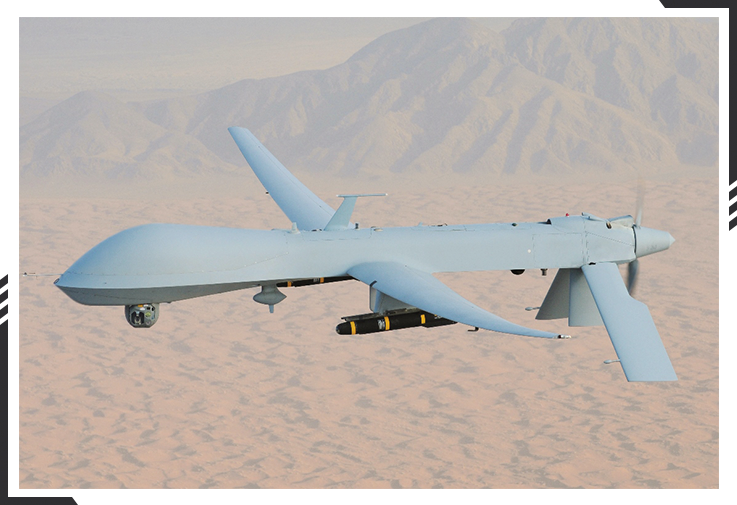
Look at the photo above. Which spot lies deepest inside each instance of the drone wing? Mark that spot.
(630, 326)
(422, 290)
(300, 204)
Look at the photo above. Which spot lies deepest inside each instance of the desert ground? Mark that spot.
(222, 394)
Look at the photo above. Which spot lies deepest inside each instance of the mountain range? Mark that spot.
(546, 96)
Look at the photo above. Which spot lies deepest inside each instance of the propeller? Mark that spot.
(632, 269)
(640, 203)
(634, 266)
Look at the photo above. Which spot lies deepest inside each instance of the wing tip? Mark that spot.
(656, 378)
(652, 374)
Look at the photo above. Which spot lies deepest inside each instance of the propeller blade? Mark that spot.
(634, 266)
(632, 269)
(640, 202)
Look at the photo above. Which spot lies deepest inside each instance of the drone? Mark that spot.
(142, 267)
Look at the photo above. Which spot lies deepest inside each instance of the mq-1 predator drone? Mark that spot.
(397, 264)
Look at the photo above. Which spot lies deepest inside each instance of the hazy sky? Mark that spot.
(62, 56)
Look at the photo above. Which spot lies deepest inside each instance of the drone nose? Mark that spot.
(650, 241)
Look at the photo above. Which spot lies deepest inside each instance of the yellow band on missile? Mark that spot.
(289, 284)
(422, 318)
(386, 320)
(353, 328)
(322, 279)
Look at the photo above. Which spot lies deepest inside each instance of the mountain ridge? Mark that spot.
(545, 96)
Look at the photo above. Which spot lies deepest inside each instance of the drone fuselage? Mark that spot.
(168, 262)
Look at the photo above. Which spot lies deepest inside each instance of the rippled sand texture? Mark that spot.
(222, 394)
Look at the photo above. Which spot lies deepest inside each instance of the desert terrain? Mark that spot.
(222, 394)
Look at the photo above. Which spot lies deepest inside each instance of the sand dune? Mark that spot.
(222, 394)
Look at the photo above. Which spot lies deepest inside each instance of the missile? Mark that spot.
(371, 323)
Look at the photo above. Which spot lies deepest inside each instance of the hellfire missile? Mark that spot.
(372, 323)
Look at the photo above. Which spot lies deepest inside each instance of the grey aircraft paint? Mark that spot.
(156, 263)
